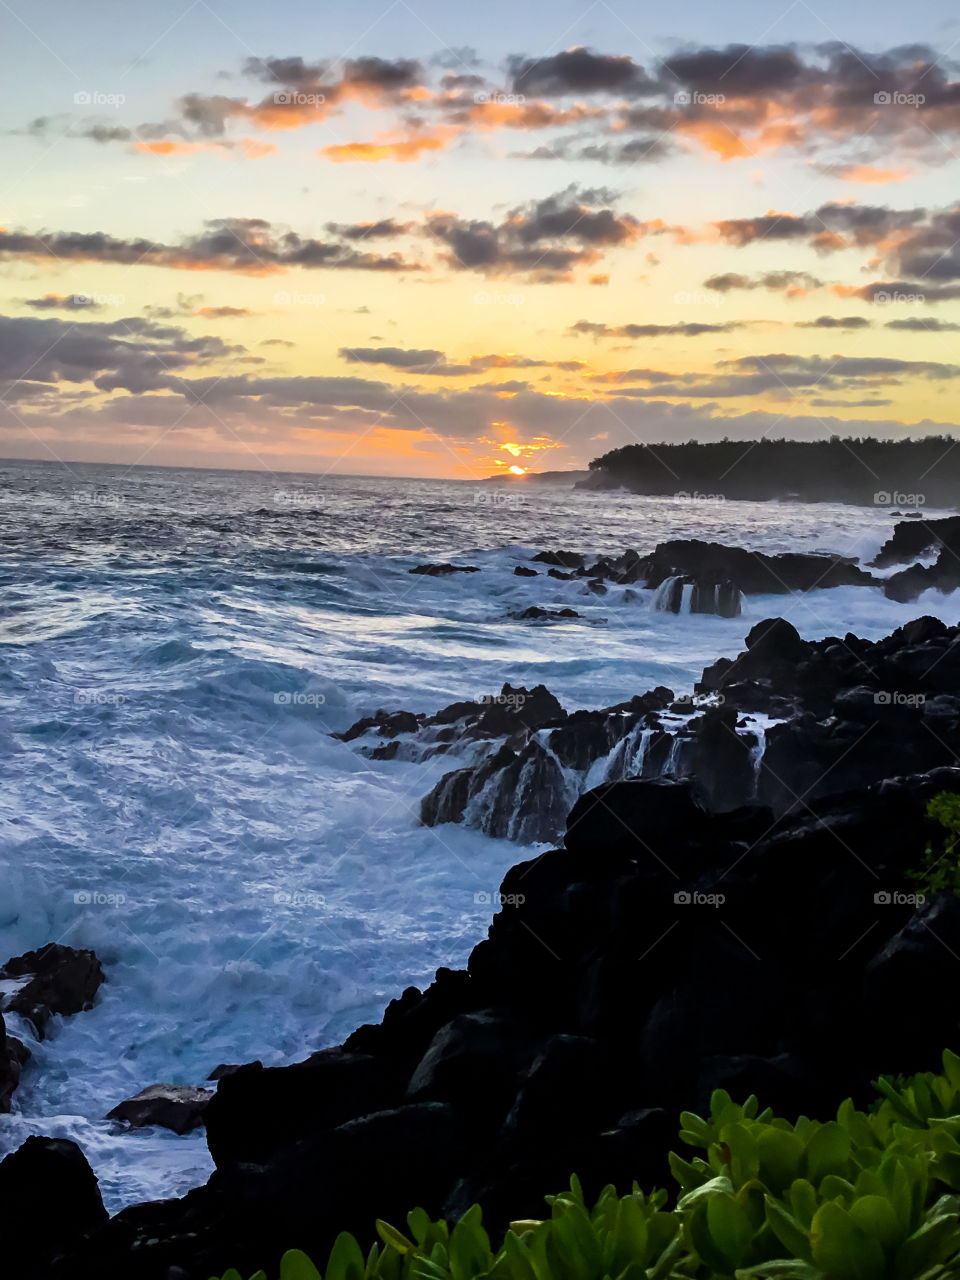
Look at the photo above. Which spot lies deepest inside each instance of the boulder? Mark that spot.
(635, 818)
(562, 559)
(13, 1053)
(50, 1200)
(441, 570)
(179, 1107)
(59, 979)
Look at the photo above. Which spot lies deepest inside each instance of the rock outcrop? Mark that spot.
(55, 979)
(179, 1107)
(661, 953)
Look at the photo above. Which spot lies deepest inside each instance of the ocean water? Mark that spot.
(176, 648)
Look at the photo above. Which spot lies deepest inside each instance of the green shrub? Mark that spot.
(867, 1196)
(940, 872)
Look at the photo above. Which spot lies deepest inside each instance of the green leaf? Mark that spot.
(803, 1201)
(842, 1249)
(876, 1216)
(394, 1238)
(418, 1220)
(346, 1259)
(295, 1265)
(828, 1152)
(789, 1230)
(731, 1229)
(934, 1242)
(781, 1156)
(470, 1254)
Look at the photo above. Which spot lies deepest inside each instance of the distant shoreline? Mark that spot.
(909, 475)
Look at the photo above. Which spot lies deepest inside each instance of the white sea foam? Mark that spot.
(170, 670)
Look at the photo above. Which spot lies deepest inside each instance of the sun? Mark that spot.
(518, 471)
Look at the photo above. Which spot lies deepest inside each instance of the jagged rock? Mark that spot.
(706, 596)
(13, 1053)
(529, 802)
(179, 1107)
(521, 571)
(911, 540)
(230, 1069)
(664, 952)
(60, 979)
(50, 1200)
(633, 817)
(753, 572)
(256, 1110)
(387, 723)
(440, 570)
(536, 613)
(562, 559)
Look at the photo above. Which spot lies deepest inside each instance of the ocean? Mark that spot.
(176, 648)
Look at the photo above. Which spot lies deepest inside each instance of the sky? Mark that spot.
(450, 240)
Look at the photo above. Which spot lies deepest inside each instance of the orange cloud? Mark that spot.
(385, 147)
(252, 148)
(870, 174)
(175, 148)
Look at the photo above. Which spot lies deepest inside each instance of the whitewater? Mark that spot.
(176, 648)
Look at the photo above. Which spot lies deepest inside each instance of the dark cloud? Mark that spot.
(382, 229)
(912, 293)
(395, 357)
(247, 245)
(135, 353)
(775, 281)
(923, 324)
(435, 362)
(784, 375)
(835, 322)
(682, 329)
(580, 71)
(63, 302)
(546, 238)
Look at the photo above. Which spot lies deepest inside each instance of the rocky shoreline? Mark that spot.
(746, 921)
(786, 721)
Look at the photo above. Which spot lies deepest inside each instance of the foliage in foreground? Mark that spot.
(940, 872)
(867, 1196)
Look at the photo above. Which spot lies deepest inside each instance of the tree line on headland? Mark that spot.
(910, 473)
